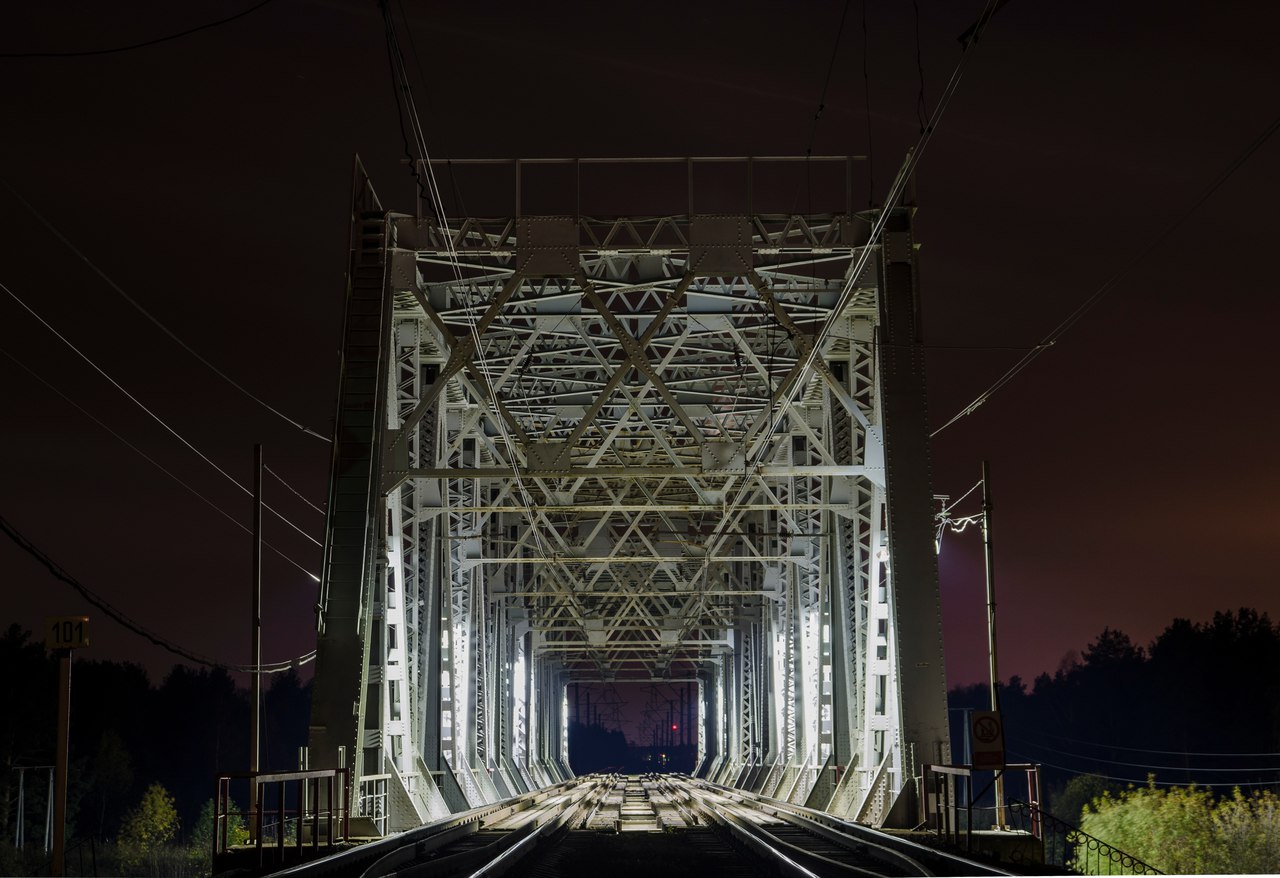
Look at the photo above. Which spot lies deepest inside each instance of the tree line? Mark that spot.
(143, 756)
(1121, 731)
(1130, 737)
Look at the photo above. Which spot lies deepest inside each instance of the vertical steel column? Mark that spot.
(354, 518)
(917, 616)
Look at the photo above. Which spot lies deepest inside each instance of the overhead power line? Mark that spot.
(158, 639)
(1259, 769)
(279, 478)
(404, 92)
(1219, 754)
(826, 83)
(1144, 781)
(896, 191)
(1074, 317)
(155, 320)
(142, 45)
(151, 460)
(62, 338)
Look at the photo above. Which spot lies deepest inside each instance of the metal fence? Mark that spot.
(1073, 848)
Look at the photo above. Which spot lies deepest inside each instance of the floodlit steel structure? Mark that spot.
(585, 447)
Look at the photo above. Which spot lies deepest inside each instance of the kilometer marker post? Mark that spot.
(63, 635)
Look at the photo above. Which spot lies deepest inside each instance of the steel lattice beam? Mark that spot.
(606, 448)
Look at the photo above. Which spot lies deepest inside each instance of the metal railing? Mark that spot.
(943, 808)
(78, 847)
(683, 175)
(1073, 848)
(321, 808)
(372, 801)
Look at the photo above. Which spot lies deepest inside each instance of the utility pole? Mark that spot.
(255, 639)
(63, 635)
(988, 554)
(64, 735)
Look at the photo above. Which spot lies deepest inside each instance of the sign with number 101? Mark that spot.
(66, 632)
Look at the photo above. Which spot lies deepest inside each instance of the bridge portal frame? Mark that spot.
(528, 405)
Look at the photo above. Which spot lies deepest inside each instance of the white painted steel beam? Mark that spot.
(595, 453)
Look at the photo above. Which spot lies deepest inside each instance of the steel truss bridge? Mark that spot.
(603, 448)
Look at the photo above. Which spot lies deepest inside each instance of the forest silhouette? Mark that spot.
(1200, 703)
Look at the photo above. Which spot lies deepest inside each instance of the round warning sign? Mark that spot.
(987, 729)
(986, 738)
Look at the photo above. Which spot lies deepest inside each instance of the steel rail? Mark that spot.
(545, 812)
(508, 857)
(360, 860)
(766, 840)
(897, 851)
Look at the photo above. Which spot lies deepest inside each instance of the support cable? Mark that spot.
(157, 639)
(113, 50)
(1074, 317)
(155, 320)
(896, 191)
(151, 460)
(62, 338)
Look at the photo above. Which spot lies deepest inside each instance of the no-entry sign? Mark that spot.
(986, 739)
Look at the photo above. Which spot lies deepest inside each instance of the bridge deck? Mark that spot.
(634, 825)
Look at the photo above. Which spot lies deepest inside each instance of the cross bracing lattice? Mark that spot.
(605, 448)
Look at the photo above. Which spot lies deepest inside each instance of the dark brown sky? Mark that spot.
(1133, 464)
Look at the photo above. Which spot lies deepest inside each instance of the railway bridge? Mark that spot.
(688, 444)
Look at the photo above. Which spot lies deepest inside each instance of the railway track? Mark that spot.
(625, 826)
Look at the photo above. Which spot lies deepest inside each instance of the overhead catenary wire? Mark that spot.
(279, 478)
(119, 616)
(57, 233)
(1107, 285)
(436, 201)
(403, 88)
(1219, 753)
(1027, 742)
(400, 80)
(826, 83)
(895, 193)
(976, 485)
(922, 106)
(142, 45)
(866, 97)
(62, 338)
(151, 460)
(1146, 781)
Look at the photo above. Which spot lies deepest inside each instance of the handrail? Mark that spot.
(77, 845)
(749, 164)
(328, 815)
(1070, 841)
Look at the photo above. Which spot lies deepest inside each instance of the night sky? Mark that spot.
(1133, 464)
